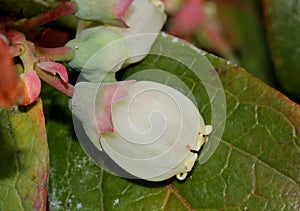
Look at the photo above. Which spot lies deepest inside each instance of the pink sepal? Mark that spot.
(107, 97)
(121, 7)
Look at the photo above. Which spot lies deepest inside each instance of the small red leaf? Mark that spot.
(54, 67)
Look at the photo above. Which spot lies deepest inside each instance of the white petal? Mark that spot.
(153, 128)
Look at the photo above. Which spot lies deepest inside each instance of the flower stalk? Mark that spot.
(65, 8)
(58, 54)
(26, 55)
(15, 50)
(32, 55)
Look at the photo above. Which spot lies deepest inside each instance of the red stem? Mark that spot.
(15, 50)
(23, 47)
(27, 56)
(55, 54)
(56, 82)
(65, 8)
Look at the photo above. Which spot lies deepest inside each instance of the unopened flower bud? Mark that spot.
(93, 57)
(104, 11)
(149, 129)
(31, 89)
(106, 49)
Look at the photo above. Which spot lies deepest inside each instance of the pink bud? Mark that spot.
(32, 87)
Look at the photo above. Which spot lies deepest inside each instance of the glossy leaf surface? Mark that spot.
(24, 160)
(255, 167)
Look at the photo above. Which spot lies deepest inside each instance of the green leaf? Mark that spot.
(257, 161)
(243, 23)
(282, 23)
(33, 7)
(11, 6)
(29, 8)
(74, 178)
(24, 160)
(255, 166)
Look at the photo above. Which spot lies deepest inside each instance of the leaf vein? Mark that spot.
(17, 161)
(261, 161)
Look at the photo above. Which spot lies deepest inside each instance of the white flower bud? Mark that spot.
(149, 129)
(99, 50)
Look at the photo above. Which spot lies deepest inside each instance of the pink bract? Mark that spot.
(54, 67)
(108, 96)
(121, 7)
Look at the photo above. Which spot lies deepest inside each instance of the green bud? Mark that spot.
(104, 11)
(97, 51)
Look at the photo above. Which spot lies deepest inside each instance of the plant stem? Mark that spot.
(65, 8)
(27, 56)
(55, 54)
(15, 50)
(65, 88)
